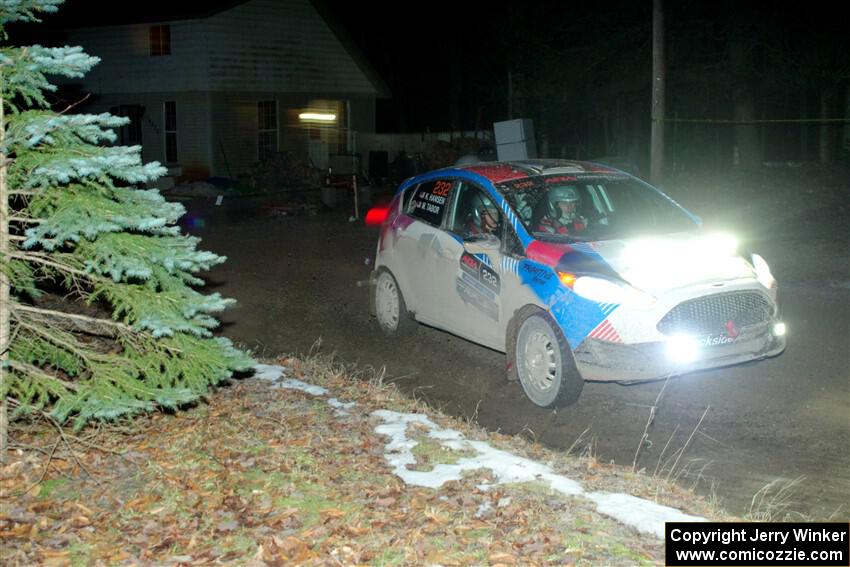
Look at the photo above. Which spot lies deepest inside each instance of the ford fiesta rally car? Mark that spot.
(575, 270)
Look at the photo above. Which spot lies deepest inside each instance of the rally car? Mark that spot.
(577, 271)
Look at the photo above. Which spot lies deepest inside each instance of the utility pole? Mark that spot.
(656, 144)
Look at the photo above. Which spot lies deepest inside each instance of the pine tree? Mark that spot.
(72, 218)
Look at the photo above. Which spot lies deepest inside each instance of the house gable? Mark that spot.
(254, 46)
(290, 49)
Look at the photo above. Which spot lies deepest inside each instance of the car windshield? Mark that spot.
(592, 207)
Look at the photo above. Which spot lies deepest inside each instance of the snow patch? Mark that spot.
(643, 515)
(340, 408)
(335, 403)
(293, 384)
(274, 373)
(270, 372)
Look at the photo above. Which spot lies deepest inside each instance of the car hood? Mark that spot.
(660, 263)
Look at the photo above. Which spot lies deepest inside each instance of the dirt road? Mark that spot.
(785, 420)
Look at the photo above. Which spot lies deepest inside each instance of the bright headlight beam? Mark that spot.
(682, 349)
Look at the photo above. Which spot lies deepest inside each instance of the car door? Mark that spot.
(469, 265)
(418, 248)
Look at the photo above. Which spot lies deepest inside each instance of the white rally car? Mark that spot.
(575, 270)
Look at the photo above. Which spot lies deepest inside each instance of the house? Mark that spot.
(211, 91)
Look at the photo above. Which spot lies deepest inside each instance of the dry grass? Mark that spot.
(261, 475)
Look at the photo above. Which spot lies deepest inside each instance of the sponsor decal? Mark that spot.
(732, 334)
(716, 340)
(606, 332)
(478, 284)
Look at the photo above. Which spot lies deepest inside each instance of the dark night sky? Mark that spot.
(447, 63)
(416, 53)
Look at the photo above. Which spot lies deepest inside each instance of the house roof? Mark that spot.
(94, 13)
(97, 13)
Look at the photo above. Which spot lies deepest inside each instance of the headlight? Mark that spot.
(682, 348)
(763, 274)
(607, 291)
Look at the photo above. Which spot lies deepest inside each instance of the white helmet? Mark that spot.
(563, 194)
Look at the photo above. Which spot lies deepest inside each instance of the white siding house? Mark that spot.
(211, 94)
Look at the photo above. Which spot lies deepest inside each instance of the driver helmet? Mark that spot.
(563, 203)
(485, 205)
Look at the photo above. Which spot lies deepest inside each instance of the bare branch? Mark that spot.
(46, 468)
(73, 104)
(26, 220)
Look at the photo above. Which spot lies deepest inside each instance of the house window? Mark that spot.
(266, 128)
(160, 40)
(131, 134)
(170, 111)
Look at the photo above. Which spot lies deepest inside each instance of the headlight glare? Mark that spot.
(763, 274)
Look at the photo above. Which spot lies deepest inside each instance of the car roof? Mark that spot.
(498, 172)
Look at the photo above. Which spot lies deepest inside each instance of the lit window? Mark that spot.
(160, 40)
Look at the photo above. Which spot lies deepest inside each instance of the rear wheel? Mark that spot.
(390, 309)
(545, 364)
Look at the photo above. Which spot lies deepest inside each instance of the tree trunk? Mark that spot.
(826, 130)
(746, 134)
(656, 152)
(804, 128)
(5, 291)
(747, 148)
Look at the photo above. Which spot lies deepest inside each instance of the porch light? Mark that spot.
(317, 117)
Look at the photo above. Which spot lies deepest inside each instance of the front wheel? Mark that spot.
(390, 309)
(545, 364)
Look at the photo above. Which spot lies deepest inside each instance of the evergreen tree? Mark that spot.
(72, 219)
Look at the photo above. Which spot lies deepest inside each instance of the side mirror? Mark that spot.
(482, 245)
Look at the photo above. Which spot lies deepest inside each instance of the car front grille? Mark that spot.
(712, 314)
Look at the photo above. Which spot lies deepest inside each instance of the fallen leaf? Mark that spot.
(501, 558)
(227, 526)
(332, 514)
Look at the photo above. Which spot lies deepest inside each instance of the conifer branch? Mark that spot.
(52, 337)
(80, 221)
(40, 258)
(36, 372)
(94, 321)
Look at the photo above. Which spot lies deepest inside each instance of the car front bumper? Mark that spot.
(606, 361)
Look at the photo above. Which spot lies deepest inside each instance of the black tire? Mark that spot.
(543, 361)
(390, 308)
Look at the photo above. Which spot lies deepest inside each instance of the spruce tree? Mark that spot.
(74, 218)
